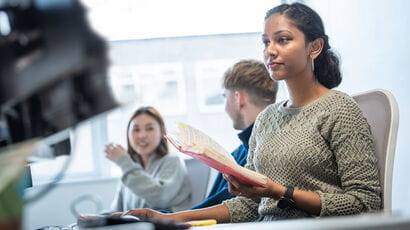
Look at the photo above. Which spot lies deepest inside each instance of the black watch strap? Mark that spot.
(289, 192)
(287, 199)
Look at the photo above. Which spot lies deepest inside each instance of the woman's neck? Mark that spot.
(145, 160)
(303, 91)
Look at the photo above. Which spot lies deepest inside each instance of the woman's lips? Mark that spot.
(275, 65)
(142, 145)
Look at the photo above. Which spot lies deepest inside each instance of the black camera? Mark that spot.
(53, 69)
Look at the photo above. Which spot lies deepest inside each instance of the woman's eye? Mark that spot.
(265, 43)
(150, 129)
(283, 40)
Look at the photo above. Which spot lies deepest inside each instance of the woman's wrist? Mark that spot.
(277, 191)
(179, 216)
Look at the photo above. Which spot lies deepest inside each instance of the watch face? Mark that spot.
(285, 203)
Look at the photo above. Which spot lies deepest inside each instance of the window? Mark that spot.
(208, 79)
(160, 85)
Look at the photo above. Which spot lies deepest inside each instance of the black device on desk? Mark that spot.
(103, 220)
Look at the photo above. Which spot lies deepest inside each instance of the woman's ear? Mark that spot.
(164, 131)
(316, 47)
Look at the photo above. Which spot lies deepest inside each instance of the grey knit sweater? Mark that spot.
(163, 185)
(324, 147)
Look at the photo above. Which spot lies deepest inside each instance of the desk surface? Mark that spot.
(361, 222)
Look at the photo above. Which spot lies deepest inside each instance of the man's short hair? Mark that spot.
(252, 77)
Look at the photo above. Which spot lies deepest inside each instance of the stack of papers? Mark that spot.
(200, 146)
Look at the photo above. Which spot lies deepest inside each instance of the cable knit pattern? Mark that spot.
(324, 147)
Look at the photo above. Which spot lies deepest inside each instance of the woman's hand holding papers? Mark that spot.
(271, 189)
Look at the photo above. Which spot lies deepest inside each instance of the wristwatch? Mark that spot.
(287, 200)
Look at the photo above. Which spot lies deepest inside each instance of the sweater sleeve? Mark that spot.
(160, 191)
(244, 209)
(351, 141)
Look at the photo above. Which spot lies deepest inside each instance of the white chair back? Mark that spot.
(381, 110)
(198, 173)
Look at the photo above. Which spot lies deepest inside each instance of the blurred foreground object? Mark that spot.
(12, 164)
(52, 76)
(52, 68)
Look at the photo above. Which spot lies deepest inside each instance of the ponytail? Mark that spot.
(327, 70)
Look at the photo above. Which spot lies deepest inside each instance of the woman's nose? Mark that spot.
(271, 51)
(142, 134)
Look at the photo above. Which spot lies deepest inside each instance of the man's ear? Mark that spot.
(240, 98)
(316, 47)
